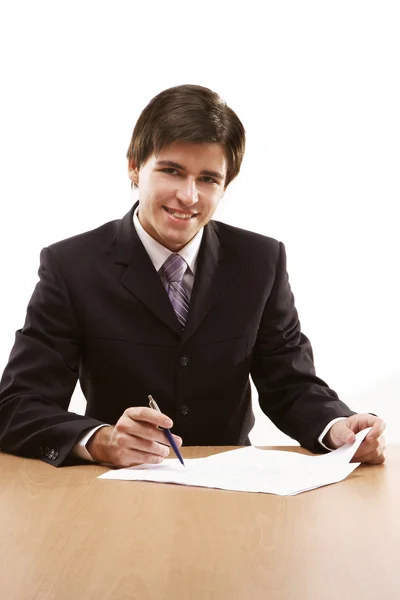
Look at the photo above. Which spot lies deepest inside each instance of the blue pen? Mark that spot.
(153, 404)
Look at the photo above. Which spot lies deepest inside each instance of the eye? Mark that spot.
(173, 171)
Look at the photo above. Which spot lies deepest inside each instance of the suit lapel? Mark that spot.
(142, 280)
(140, 277)
(208, 281)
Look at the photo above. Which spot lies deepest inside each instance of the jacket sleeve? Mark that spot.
(290, 394)
(40, 377)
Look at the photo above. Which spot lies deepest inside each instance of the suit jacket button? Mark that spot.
(47, 451)
(184, 360)
(184, 410)
(51, 453)
(55, 454)
(41, 451)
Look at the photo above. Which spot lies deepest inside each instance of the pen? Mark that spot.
(153, 404)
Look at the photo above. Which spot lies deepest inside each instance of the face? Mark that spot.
(179, 190)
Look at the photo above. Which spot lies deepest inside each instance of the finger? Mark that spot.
(163, 439)
(131, 450)
(130, 458)
(146, 431)
(138, 434)
(148, 415)
(122, 454)
(373, 458)
(366, 448)
(342, 433)
(148, 446)
(178, 440)
(128, 450)
(378, 428)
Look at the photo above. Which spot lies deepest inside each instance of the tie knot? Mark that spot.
(174, 268)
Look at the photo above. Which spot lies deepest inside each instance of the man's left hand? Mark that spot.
(372, 450)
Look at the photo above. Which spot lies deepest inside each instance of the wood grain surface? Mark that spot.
(66, 535)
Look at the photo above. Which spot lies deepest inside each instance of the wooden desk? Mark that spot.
(66, 535)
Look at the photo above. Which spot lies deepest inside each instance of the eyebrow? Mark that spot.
(170, 163)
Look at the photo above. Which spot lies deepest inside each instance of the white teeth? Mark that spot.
(179, 215)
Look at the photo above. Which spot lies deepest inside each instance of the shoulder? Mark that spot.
(79, 257)
(244, 242)
(88, 239)
(86, 246)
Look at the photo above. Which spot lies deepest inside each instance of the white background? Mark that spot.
(316, 85)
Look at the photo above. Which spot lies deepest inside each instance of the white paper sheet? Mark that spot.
(251, 470)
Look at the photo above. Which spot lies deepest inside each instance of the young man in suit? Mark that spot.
(170, 303)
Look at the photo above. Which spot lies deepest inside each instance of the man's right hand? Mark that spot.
(134, 440)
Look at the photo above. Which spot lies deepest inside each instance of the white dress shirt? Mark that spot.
(158, 255)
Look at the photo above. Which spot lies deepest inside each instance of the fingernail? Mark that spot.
(165, 451)
(168, 423)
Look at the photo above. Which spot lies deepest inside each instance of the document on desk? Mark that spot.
(251, 470)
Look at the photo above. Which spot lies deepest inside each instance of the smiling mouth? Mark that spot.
(178, 214)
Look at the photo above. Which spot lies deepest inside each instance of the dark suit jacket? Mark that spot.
(100, 313)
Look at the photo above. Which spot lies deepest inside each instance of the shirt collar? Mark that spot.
(158, 253)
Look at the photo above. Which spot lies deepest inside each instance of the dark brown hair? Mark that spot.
(190, 113)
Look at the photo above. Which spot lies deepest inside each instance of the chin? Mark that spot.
(175, 243)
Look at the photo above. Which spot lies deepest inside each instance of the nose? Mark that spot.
(187, 192)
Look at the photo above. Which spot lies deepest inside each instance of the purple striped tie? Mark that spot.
(172, 273)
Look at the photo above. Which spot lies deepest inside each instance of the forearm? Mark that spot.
(305, 414)
(30, 425)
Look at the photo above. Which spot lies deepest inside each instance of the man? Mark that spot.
(168, 302)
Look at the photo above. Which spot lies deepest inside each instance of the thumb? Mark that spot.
(340, 433)
(347, 436)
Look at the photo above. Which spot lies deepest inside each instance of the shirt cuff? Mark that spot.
(325, 431)
(80, 449)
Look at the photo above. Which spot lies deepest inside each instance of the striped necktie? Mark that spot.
(172, 273)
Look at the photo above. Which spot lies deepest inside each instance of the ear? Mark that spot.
(133, 173)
